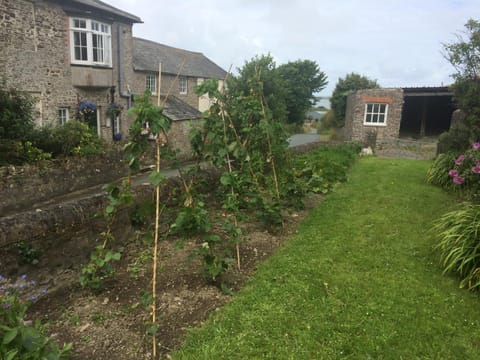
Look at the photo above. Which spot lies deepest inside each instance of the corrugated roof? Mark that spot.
(72, 5)
(148, 54)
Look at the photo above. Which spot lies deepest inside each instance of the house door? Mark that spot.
(92, 120)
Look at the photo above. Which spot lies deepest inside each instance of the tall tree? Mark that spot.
(338, 101)
(261, 69)
(302, 79)
(464, 55)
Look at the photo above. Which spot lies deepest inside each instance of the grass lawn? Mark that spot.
(360, 281)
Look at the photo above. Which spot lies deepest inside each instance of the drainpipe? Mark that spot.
(128, 94)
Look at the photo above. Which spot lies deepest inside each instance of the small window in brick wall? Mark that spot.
(182, 85)
(63, 116)
(376, 114)
(151, 83)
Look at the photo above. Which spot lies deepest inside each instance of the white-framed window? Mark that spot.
(63, 116)
(182, 85)
(90, 42)
(151, 83)
(376, 114)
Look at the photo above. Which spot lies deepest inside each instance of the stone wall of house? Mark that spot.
(35, 53)
(35, 58)
(355, 130)
(22, 187)
(179, 137)
(169, 86)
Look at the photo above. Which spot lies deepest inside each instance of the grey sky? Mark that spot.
(396, 42)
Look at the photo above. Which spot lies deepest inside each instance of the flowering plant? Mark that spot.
(466, 171)
(86, 107)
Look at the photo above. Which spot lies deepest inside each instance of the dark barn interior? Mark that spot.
(427, 111)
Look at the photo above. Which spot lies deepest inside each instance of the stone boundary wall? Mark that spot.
(403, 148)
(65, 233)
(21, 187)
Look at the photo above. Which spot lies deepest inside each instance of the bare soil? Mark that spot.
(111, 324)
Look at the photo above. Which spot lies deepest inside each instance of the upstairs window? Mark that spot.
(151, 83)
(182, 85)
(376, 114)
(90, 42)
(62, 116)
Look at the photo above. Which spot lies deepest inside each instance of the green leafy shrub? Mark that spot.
(455, 140)
(437, 174)
(16, 109)
(459, 234)
(19, 152)
(192, 219)
(320, 170)
(73, 138)
(20, 340)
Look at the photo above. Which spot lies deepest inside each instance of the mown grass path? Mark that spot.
(360, 281)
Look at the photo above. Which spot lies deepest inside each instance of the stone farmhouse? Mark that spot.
(381, 116)
(81, 54)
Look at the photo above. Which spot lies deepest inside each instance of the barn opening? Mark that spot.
(427, 111)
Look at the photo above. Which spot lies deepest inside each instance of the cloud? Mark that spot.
(398, 43)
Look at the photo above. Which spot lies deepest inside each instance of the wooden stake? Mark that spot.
(155, 253)
(159, 83)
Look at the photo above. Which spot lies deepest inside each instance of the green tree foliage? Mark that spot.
(344, 86)
(464, 55)
(262, 68)
(302, 79)
(16, 110)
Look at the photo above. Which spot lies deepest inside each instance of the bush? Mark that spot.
(16, 110)
(437, 174)
(73, 138)
(459, 233)
(322, 169)
(455, 140)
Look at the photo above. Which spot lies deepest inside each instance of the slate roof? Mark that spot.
(177, 110)
(148, 54)
(84, 6)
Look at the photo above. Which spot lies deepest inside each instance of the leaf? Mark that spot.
(226, 179)
(116, 256)
(9, 336)
(156, 178)
(11, 354)
(152, 330)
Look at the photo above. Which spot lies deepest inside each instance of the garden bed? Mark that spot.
(111, 324)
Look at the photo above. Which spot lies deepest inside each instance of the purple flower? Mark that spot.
(453, 173)
(458, 180)
(460, 160)
(476, 146)
(476, 169)
(23, 277)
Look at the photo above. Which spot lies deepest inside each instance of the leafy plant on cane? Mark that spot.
(100, 267)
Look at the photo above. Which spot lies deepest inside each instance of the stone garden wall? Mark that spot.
(23, 187)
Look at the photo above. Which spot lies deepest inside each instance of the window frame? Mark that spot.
(183, 85)
(376, 111)
(63, 115)
(148, 83)
(95, 38)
